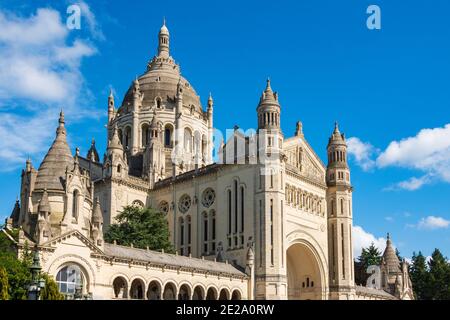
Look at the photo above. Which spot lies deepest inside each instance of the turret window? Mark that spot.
(75, 209)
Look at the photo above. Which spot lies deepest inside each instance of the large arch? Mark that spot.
(154, 290)
(305, 273)
(198, 293)
(170, 291)
(211, 293)
(236, 295)
(224, 294)
(137, 289)
(120, 287)
(184, 293)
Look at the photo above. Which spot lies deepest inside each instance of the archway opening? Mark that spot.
(71, 280)
(211, 294)
(236, 295)
(303, 273)
(198, 293)
(184, 293)
(154, 291)
(120, 287)
(170, 292)
(223, 294)
(137, 289)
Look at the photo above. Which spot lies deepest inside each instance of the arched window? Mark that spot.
(188, 140)
(75, 209)
(70, 279)
(235, 206)
(230, 209)
(332, 207)
(168, 136)
(242, 209)
(145, 134)
(119, 168)
(205, 232)
(127, 137)
(181, 223)
(342, 206)
(158, 103)
(213, 230)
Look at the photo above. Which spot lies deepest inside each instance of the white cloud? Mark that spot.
(91, 20)
(362, 153)
(428, 151)
(432, 223)
(411, 184)
(389, 219)
(363, 239)
(40, 72)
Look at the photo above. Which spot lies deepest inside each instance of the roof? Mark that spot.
(170, 259)
(373, 291)
(52, 172)
(390, 257)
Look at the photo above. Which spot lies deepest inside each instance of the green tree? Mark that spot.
(439, 276)
(19, 275)
(420, 277)
(369, 256)
(3, 284)
(27, 254)
(141, 227)
(50, 291)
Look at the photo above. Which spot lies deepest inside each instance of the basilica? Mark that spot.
(266, 219)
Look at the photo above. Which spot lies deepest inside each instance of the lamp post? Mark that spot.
(37, 283)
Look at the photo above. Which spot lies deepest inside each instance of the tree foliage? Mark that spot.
(141, 227)
(19, 275)
(369, 256)
(50, 291)
(418, 273)
(4, 295)
(439, 276)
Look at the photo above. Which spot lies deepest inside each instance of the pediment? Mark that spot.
(74, 237)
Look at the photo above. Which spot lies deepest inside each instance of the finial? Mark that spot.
(164, 21)
(388, 236)
(77, 152)
(268, 84)
(93, 142)
(110, 93)
(61, 117)
(336, 126)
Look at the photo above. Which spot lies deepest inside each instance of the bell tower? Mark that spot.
(270, 260)
(340, 221)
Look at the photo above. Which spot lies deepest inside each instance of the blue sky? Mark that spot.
(388, 88)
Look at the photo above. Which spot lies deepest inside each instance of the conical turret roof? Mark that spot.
(52, 172)
(390, 257)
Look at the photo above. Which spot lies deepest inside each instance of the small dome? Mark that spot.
(52, 172)
(389, 256)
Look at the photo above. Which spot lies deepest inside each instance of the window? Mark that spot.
(185, 203)
(167, 137)
(208, 197)
(235, 206)
(76, 194)
(229, 211)
(242, 209)
(68, 278)
(342, 206)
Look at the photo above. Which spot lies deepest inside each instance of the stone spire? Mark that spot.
(163, 43)
(52, 172)
(389, 256)
(115, 143)
(44, 205)
(97, 216)
(92, 154)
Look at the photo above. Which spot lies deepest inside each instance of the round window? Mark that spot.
(208, 197)
(184, 204)
(163, 207)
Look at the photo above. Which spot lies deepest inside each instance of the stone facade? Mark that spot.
(244, 229)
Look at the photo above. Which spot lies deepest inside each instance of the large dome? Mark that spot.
(161, 79)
